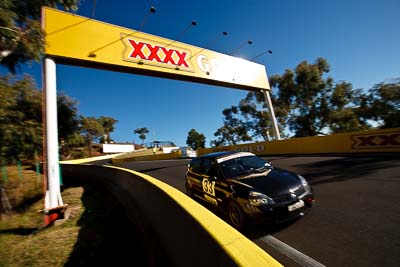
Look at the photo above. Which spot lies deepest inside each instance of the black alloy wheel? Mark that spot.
(236, 215)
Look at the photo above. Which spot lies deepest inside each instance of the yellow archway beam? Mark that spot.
(81, 41)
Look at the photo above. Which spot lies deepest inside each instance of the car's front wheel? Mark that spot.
(189, 190)
(236, 215)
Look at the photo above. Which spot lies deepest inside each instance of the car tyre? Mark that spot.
(236, 215)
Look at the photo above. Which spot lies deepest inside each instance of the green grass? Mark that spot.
(95, 234)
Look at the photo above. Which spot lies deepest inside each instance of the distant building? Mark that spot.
(159, 144)
(118, 148)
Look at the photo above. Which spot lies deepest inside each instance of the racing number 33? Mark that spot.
(208, 187)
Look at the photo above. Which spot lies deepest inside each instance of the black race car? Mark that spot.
(248, 188)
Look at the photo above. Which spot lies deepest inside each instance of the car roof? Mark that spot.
(217, 154)
(220, 154)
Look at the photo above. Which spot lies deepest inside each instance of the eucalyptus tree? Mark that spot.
(195, 139)
(142, 133)
(21, 35)
(108, 124)
(21, 118)
(383, 104)
(306, 101)
(92, 130)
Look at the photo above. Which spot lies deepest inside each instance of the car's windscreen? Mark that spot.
(243, 165)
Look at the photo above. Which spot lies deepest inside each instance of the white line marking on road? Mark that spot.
(290, 252)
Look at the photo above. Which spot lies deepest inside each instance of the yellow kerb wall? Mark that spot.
(374, 141)
(172, 155)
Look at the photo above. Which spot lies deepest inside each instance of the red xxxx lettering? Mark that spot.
(389, 140)
(154, 54)
(137, 49)
(366, 141)
(380, 140)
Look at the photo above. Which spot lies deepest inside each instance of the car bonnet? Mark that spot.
(272, 183)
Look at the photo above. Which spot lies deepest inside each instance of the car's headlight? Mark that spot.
(304, 183)
(259, 199)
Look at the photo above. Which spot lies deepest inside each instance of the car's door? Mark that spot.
(194, 176)
(215, 189)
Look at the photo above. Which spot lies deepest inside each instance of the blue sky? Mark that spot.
(359, 38)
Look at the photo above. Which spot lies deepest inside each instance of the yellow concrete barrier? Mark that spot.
(87, 160)
(179, 231)
(172, 155)
(369, 142)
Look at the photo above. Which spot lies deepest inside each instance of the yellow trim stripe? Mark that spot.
(87, 160)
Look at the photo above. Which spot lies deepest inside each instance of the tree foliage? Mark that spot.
(142, 133)
(307, 102)
(92, 129)
(304, 96)
(344, 109)
(234, 129)
(195, 139)
(383, 104)
(21, 128)
(108, 126)
(21, 35)
(21, 118)
(247, 121)
(68, 121)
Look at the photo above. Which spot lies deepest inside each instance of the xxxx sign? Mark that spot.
(76, 40)
(144, 51)
(376, 140)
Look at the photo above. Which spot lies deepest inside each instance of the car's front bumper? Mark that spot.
(280, 212)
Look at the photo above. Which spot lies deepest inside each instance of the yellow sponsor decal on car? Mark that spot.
(210, 199)
(208, 187)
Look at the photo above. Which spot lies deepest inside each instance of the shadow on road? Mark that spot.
(346, 168)
(147, 170)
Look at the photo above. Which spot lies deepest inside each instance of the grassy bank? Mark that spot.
(95, 233)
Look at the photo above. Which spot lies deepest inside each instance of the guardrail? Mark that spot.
(180, 231)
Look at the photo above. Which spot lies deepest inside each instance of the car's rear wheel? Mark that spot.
(236, 215)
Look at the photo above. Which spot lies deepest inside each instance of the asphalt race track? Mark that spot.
(356, 219)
